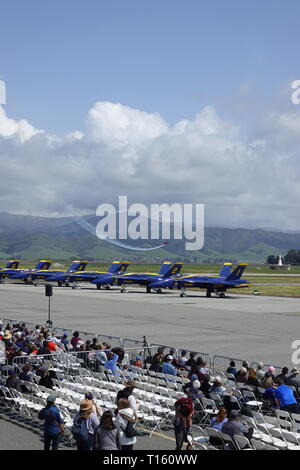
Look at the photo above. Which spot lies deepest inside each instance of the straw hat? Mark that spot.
(86, 405)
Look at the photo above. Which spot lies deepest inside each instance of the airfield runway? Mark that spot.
(239, 326)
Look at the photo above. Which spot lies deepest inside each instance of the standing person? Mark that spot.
(125, 415)
(84, 425)
(53, 424)
(184, 410)
(106, 436)
(127, 392)
(96, 408)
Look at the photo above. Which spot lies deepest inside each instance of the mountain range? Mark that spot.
(31, 237)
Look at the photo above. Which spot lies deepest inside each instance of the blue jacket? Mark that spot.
(112, 365)
(52, 418)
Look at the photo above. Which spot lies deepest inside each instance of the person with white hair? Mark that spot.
(260, 372)
(217, 387)
(194, 391)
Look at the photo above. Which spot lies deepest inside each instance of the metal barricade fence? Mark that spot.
(58, 332)
(164, 347)
(204, 356)
(114, 341)
(5, 321)
(133, 343)
(68, 363)
(146, 355)
(278, 369)
(221, 363)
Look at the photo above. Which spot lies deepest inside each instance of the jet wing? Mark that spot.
(103, 280)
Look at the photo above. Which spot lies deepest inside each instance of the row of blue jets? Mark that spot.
(168, 277)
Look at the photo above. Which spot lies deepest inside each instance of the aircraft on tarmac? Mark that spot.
(167, 270)
(31, 276)
(218, 285)
(12, 269)
(100, 278)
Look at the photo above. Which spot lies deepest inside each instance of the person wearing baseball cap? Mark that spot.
(53, 423)
(167, 367)
(234, 427)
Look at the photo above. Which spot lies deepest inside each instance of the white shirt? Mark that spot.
(121, 424)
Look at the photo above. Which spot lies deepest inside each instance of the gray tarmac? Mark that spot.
(239, 326)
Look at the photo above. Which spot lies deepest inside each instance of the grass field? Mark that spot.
(277, 291)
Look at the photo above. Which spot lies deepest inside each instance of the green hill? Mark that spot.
(29, 237)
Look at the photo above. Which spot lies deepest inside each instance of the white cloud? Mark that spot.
(242, 180)
(19, 129)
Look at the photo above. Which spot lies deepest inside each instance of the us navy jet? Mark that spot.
(12, 269)
(34, 275)
(100, 278)
(213, 284)
(168, 270)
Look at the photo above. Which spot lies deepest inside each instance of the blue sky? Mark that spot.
(173, 57)
(162, 101)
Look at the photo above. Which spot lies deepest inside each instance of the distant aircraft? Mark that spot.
(213, 284)
(99, 278)
(168, 270)
(12, 269)
(31, 276)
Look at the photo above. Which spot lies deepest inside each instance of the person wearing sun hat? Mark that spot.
(85, 424)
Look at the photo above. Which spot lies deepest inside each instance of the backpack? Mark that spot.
(185, 406)
(79, 429)
(130, 430)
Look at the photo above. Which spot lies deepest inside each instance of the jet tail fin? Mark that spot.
(77, 266)
(225, 270)
(170, 269)
(237, 272)
(117, 266)
(12, 264)
(43, 264)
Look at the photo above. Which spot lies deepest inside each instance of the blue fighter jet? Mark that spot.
(213, 284)
(100, 278)
(12, 269)
(167, 271)
(34, 275)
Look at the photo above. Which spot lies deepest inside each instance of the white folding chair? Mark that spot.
(242, 442)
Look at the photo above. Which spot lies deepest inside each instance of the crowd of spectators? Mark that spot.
(281, 390)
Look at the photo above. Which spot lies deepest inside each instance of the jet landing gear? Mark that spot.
(221, 294)
(123, 289)
(183, 293)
